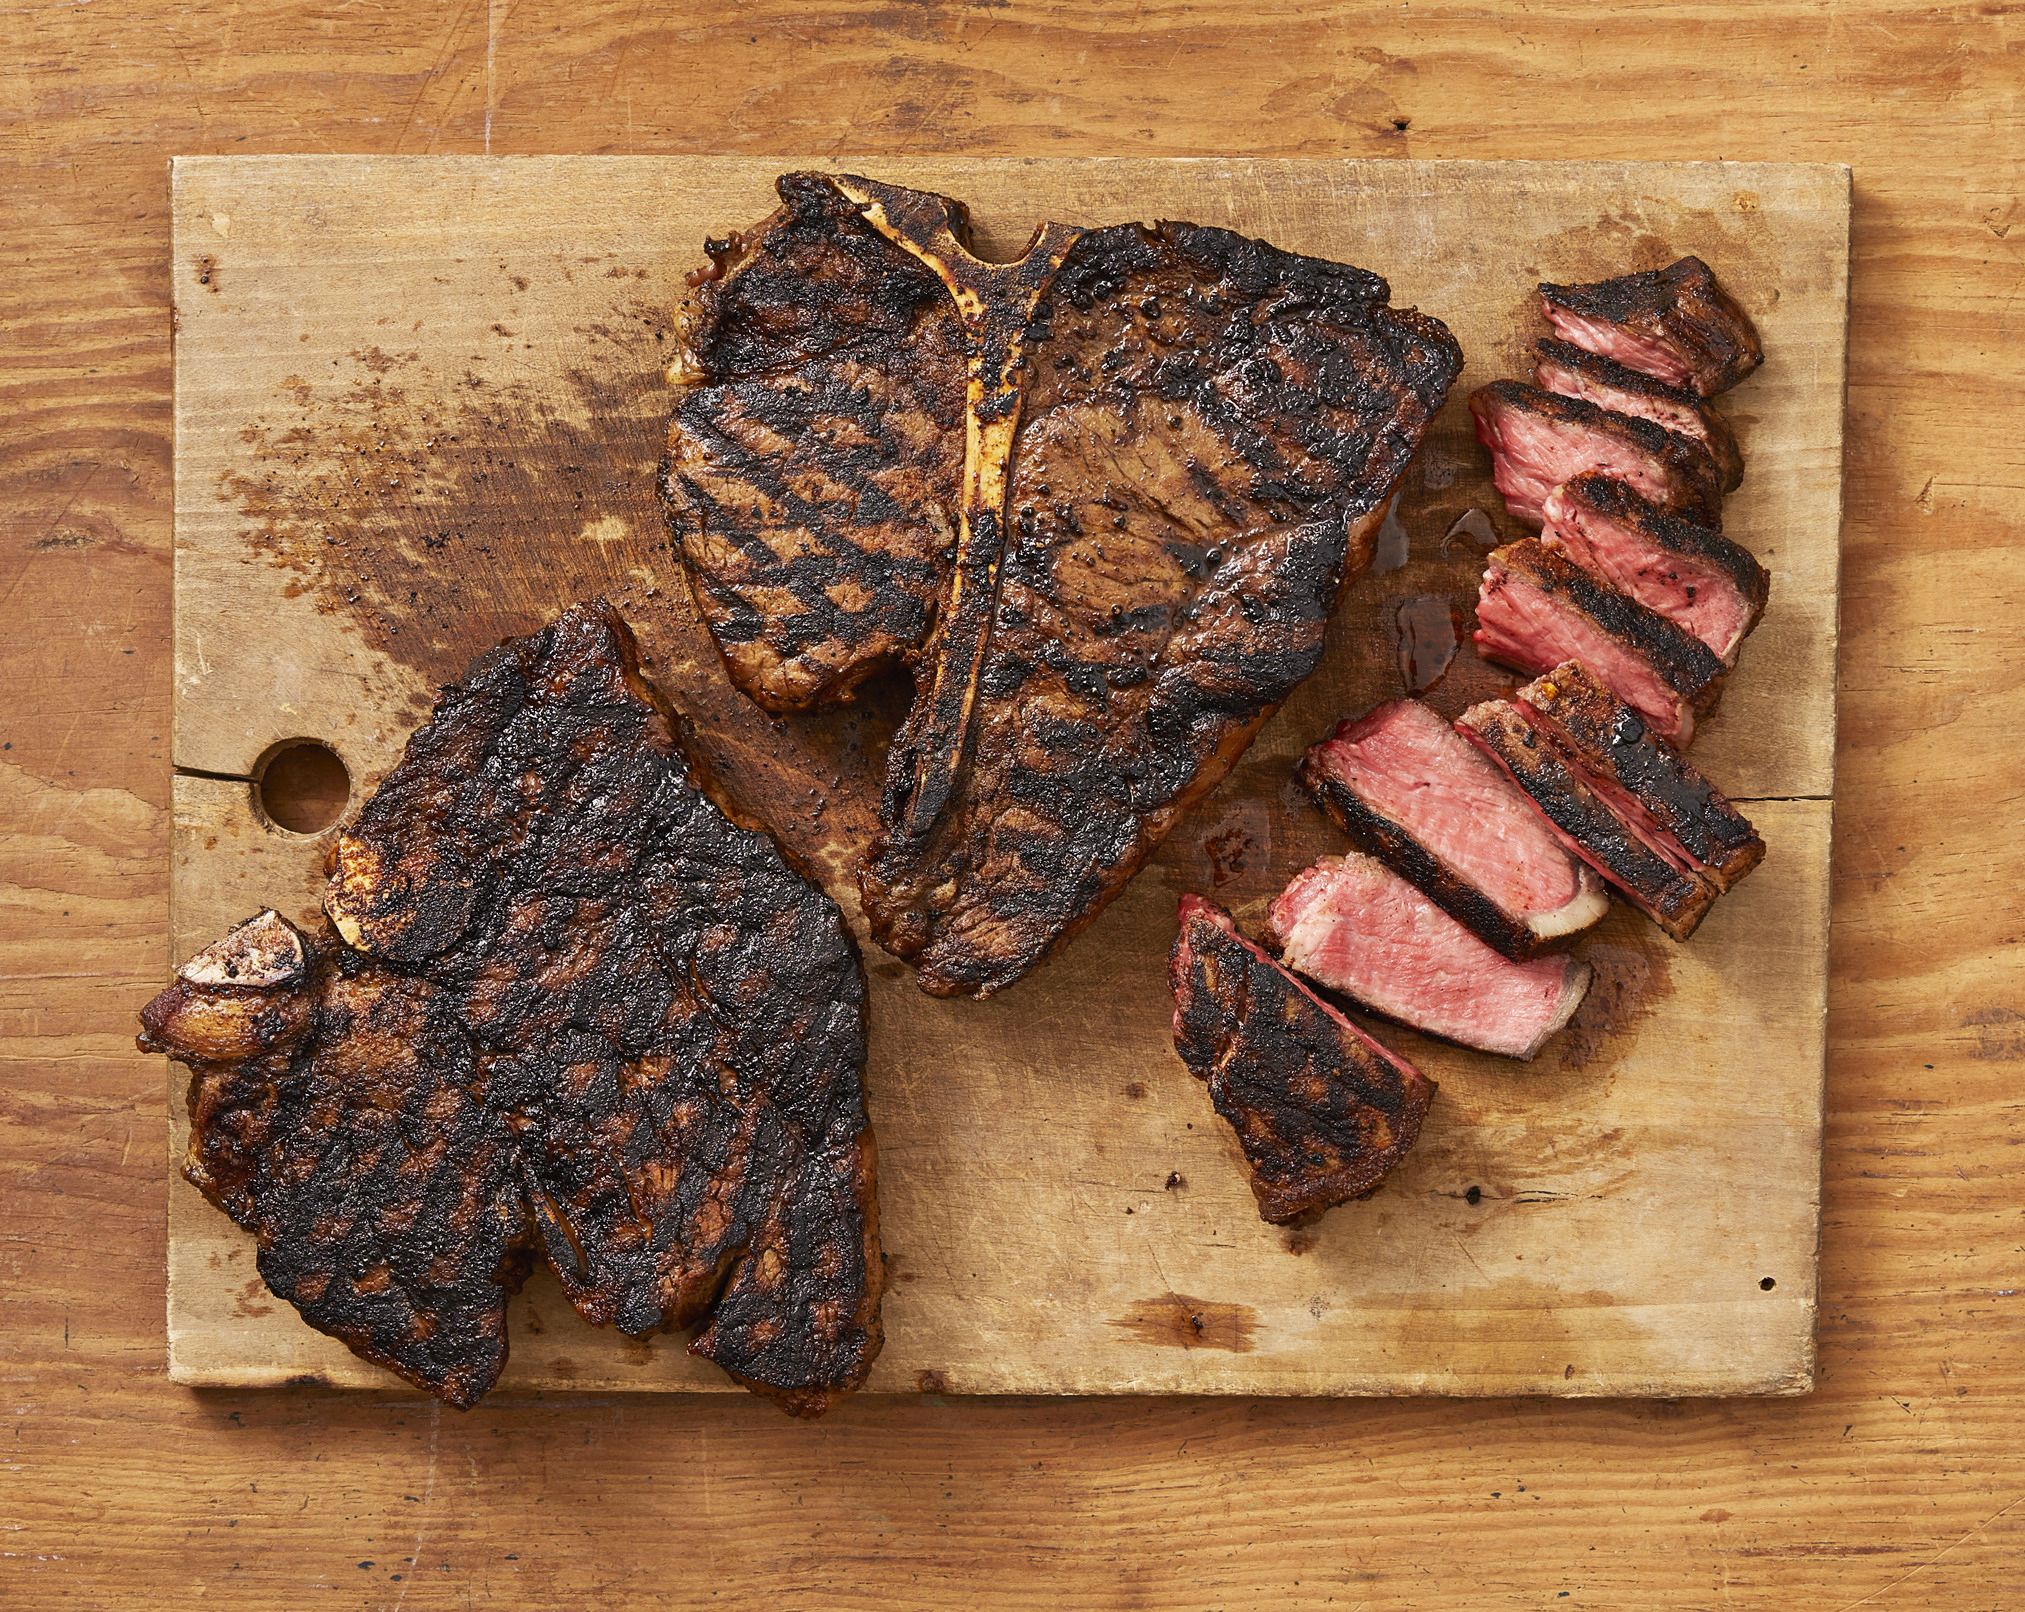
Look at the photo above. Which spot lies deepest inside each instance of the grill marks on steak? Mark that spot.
(1322, 1112)
(1406, 788)
(1540, 439)
(1693, 575)
(1183, 441)
(1675, 323)
(1354, 925)
(1649, 782)
(569, 1004)
(1571, 371)
(1537, 608)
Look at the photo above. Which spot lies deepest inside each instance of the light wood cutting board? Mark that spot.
(418, 408)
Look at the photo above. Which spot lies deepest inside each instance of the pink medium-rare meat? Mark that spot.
(1648, 781)
(1537, 608)
(1354, 925)
(1539, 439)
(1322, 1111)
(1408, 789)
(1570, 371)
(1653, 879)
(1691, 574)
(1676, 324)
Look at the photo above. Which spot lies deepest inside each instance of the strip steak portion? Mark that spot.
(1537, 608)
(1354, 925)
(1572, 371)
(1540, 439)
(1676, 324)
(1409, 790)
(1674, 896)
(564, 1003)
(1642, 776)
(1322, 1112)
(1691, 574)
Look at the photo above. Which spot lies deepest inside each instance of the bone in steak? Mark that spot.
(568, 1005)
(1411, 791)
(1354, 925)
(1691, 574)
(1674, 897)
(1571, 371)
(1537, 608)
(1540, 439)
(1676, 324)
(1322, 1111)
(1100, 501)
(1675, 809)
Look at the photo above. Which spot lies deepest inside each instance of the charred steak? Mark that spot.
(1572, 371)
(1676, 324)
(1101, 502)
(567, 1005)
(1539, 439)
(1322, 1111)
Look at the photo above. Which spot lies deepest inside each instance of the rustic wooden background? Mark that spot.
(1900, 1482)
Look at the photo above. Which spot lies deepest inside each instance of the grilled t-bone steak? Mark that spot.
(1691, 574)
(1409, 790)
(1676, 324)
(1354, 925)
(1322, 1111)
(1540, 439)
(1100, 501)
(1537, 608)
(1651, 785)
(1573, 371)
(565, 1004)
(1671, 895)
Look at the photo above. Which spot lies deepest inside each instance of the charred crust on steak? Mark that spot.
(1675, 534)
(568, 1005)
(1181, 443)
(1322, 1113)
(1682, 305)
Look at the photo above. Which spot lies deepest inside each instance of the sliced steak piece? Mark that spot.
(1676, 324)
(1671, 895)
(1322, 1112)
(1644, 777)
(1411, 791)
(1540, 439)
(1108, 547)
(1573, 371)
(1537, 608)
(1691, 574)
(568, 1004)
(1354, 925)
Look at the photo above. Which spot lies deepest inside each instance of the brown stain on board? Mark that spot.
(1631, 978)
(1182, 1321)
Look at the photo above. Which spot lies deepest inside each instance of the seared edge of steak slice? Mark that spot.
(336, 1112)
(1424, 843)
(1712, 586)
(1606, 627)
(1653, 780)
(1674, 897)
(1561, 366)
(1675, 323)
(1352, 924)
(1539, 439)
(1322, 1112)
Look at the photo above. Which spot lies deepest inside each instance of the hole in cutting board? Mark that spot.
(301, 786)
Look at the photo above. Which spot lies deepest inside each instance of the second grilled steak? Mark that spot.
(1181, 444)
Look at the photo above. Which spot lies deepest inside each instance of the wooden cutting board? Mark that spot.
(418, 408)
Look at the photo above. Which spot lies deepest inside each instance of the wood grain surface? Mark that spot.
(418, 409)
(1900, 1481)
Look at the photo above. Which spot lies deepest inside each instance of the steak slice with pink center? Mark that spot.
(1539, 439)
(1537, 608)
(1354, 925)
(1692, 575)
(1571, 371)
(1676, 324)
(1409, 790)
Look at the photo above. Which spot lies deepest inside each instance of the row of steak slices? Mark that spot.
(1480, 845)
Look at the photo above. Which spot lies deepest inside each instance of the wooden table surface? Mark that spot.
(1900, 1482)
